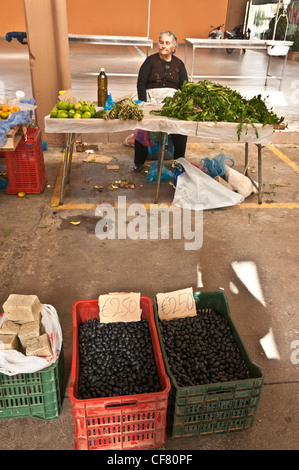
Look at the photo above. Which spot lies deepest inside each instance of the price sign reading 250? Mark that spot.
(176, 304)
(119, 307)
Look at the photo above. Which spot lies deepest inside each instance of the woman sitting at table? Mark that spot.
(161, 75)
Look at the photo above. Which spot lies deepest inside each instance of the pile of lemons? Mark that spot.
(81, 110)
(6, 110)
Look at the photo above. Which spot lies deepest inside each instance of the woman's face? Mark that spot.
(166, 47)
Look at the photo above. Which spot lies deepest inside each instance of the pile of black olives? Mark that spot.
(202, 350)
(116, 359)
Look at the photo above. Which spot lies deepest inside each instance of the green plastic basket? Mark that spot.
(38, 394)
(213, 408)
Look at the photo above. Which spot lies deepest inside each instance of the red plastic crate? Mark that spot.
(26, 166)
(124, 422)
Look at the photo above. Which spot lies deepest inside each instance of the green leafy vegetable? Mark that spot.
(125, 109)
(208, 101)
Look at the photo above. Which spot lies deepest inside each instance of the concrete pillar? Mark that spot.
(47, 33)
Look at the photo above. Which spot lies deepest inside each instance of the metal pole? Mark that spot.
(246, 159)
(65, 168)
(260, 178)
(276, 19)
(148, 18)
(246, 18)
(160, 164)
(192, 66)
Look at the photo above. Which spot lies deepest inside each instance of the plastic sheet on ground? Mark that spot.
(198, 191)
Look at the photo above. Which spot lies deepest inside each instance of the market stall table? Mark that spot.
(221, 132)
(279, 48)
(133, 41)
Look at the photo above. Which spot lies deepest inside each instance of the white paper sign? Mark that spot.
(176, 304)
(68, 96)
(119, 307)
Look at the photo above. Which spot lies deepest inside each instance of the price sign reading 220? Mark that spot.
(176, 304)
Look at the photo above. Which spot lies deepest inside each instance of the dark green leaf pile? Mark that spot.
(208, 101)
(125, 109)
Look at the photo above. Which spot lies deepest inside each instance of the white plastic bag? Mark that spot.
(14, 362)
(157, 95)
(194, 187)
(240, 183)
(277, 50)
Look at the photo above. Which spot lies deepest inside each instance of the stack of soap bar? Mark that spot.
(22, 308)
(10, 328)
(27, 331)
(39, 346)
(9, 342)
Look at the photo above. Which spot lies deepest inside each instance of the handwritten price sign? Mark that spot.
(176, 304)
(120, 307)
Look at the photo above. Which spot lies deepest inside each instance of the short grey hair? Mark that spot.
(173, 36)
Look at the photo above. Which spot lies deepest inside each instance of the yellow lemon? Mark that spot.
(21, 194)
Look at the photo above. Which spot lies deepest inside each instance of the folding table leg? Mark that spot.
(246, 159)
(65, 167)
(160, 164)
(259, 150)
(72, 140)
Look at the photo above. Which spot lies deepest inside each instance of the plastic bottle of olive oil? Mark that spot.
(102, 88)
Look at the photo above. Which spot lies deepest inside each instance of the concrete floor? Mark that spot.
(41, 252)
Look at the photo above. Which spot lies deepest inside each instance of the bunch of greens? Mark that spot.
(125, 109)
(208, 101)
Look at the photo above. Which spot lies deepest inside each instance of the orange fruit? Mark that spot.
(5, 108)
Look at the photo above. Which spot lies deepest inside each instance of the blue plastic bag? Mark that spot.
(153, 173)
(109, 102)
(216, 165)
(14, 119)
(178, 170)
(154, 149)
(3, 183)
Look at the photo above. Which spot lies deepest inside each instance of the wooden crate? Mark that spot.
(14, 136)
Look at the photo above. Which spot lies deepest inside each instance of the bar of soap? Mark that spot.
(22, 308)
(27, 331)
(9, 342)
(39, 346)
(10, 328)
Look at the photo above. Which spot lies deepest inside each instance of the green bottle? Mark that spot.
(102, 88)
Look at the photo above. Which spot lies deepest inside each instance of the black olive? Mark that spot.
(120, 359)
(202, 349)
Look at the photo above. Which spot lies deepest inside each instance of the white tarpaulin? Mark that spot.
(220, 131)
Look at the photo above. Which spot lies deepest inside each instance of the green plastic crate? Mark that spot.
(213, 408)
(38, 394)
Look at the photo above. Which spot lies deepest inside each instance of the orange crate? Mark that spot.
(25, 165)
(118, 423)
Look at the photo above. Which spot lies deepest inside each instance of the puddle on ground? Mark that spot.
(86, 222)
